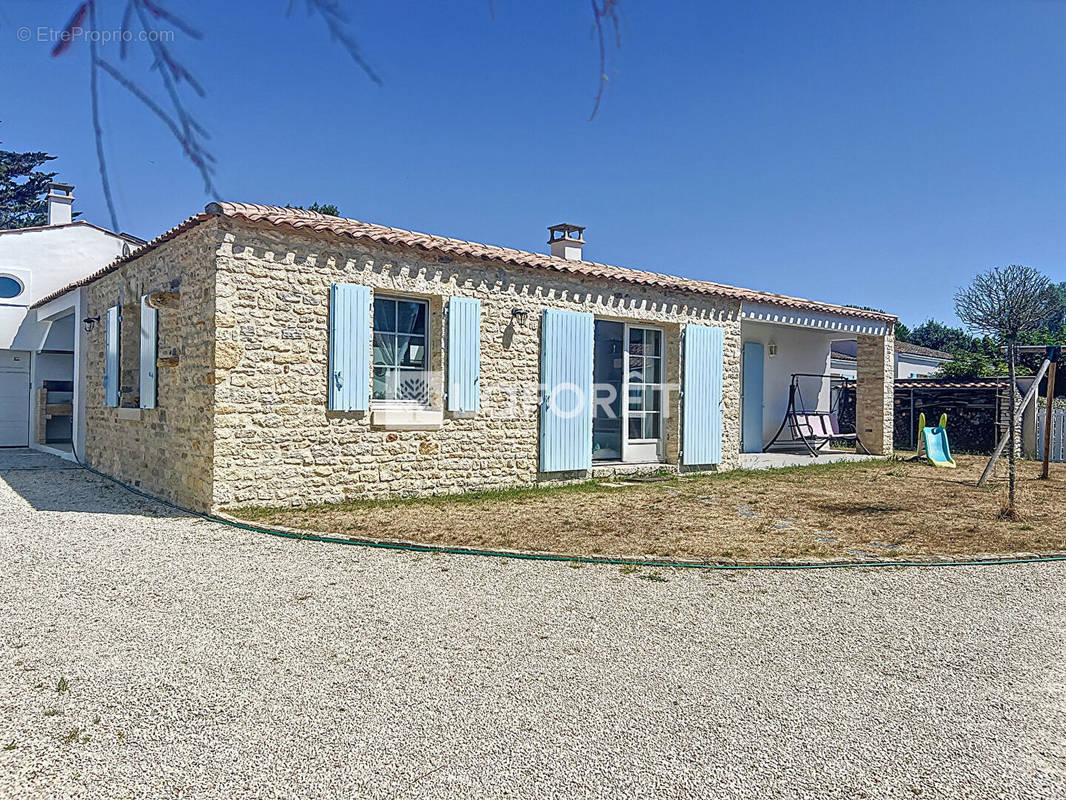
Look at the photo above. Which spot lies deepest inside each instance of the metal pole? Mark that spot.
(1045, 472)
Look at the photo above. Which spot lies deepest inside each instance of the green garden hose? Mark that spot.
(526, 556)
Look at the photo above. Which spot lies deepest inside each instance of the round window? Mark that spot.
(9, 287)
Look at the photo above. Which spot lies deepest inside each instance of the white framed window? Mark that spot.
(401, 351)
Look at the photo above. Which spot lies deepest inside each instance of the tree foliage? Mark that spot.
(23, 188)
(326, 208)
(1056, 318)
(972, 356)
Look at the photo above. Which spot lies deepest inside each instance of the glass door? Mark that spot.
(608, 372)
(643, 412)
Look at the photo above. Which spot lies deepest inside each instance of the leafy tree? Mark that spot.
(973, 357)
(969, 364)
(1006, 303)
(22, 189)
(1056, 320)
(938, 336)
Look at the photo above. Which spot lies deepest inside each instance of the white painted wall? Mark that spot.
(798, 350)
(56, 313)
(908, 365)
(911, 366)
(45, 260)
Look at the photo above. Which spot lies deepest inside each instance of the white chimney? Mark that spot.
(566, 240)
(60, 199)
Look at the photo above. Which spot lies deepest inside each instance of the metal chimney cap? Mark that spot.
(566, 231)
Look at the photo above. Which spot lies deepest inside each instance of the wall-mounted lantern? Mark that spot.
(89, 323)
(519, 315)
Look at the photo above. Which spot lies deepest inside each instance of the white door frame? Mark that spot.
(642, 451)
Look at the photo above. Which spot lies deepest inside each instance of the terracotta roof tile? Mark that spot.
(946, 383)
(300, 219)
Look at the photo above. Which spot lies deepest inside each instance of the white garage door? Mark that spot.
(14, 398)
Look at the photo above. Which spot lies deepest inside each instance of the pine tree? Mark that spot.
(23, 188)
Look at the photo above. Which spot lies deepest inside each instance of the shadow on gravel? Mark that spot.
(49, 483)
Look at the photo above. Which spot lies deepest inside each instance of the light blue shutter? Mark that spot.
(111, 376)
(701, 441)
(349, 347)
(464, 353)
(566, 404)
(149, 328)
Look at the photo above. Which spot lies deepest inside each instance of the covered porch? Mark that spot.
(57, 416)
(789, 411)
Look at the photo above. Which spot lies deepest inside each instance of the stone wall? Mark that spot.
(875, 379)
(972, 415)
(166, 451)
(276, 443)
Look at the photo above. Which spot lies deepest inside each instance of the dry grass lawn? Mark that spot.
(877, 509)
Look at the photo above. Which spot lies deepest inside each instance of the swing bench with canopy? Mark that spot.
(813, 428)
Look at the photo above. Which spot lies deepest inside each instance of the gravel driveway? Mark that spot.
(203, 661)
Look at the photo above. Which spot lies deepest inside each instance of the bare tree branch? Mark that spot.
(339, 26)
(94, 96)
(171, 73)
(1005, 302)
(181, 123)
(604, 12)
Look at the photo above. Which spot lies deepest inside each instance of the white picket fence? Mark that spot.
(1058, 433)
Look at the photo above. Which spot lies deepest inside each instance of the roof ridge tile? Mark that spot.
(299, 219)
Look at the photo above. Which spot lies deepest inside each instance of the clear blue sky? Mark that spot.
(877, 152)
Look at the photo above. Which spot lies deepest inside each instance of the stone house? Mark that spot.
(264, 355)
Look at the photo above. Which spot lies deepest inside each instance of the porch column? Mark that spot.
(874, 388)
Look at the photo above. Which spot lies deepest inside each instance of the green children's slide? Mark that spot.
(935, 441)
